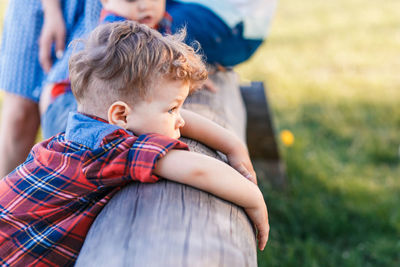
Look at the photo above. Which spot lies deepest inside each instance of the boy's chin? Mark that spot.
(176, 135)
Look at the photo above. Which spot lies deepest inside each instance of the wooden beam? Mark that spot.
(170, 224)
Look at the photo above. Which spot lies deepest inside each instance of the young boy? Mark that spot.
(130, 83)
(57, 99)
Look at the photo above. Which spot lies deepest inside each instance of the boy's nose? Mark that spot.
(181, 122)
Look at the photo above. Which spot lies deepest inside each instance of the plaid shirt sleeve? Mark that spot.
(48, 203)
(133, 159)
(146, 151)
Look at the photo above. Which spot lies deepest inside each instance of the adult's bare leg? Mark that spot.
(19, 124)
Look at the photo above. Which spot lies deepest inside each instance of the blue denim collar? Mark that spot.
(87, 131)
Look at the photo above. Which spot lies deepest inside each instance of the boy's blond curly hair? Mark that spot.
(122, 60)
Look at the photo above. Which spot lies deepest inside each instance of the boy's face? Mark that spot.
(149, 12)
(160, 114)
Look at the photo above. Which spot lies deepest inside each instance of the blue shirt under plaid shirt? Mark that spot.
(49, 202)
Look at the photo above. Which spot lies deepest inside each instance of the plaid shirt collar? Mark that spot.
(88, 130)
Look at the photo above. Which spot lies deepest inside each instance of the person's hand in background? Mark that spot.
(53, 32)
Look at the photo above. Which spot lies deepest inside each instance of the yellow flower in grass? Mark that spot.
(287, 137)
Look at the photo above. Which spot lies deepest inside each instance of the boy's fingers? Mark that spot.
(249, 174)
(250, 170)
(243, 171)
(262, 242)
(263, 237)
(254, 176)
(263, 233)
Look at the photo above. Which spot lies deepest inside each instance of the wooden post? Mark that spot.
(170, 224)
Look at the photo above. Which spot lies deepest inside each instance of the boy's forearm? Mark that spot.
(209, 133)
(220, 179)
(210, 175)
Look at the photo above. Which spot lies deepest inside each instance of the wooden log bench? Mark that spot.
(170, 224)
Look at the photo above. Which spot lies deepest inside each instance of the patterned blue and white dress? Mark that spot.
(20, 71)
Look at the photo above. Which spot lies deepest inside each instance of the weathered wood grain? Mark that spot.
(170, 224)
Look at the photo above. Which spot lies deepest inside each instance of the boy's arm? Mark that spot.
(213, 135)
(220, 179)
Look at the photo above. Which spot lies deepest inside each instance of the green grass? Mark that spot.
(332, 74)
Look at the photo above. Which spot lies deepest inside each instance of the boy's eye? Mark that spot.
(172, 110)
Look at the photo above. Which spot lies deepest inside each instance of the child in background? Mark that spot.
(229, 31)
(30, 29)
(57, 99)
(130, 83)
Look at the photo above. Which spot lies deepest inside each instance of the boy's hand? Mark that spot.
(259, 216)
(213, 135)
(239, 159)
(219, 179)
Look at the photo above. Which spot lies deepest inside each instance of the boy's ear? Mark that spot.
(117, 113)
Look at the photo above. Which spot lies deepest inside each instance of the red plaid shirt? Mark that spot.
(49, 202)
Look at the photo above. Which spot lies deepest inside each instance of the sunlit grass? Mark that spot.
(319, 50)
(332, 74)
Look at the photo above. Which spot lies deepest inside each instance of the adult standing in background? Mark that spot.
(34, 38)
(229, 31)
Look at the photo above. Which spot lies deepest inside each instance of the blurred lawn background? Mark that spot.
(332, 70)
